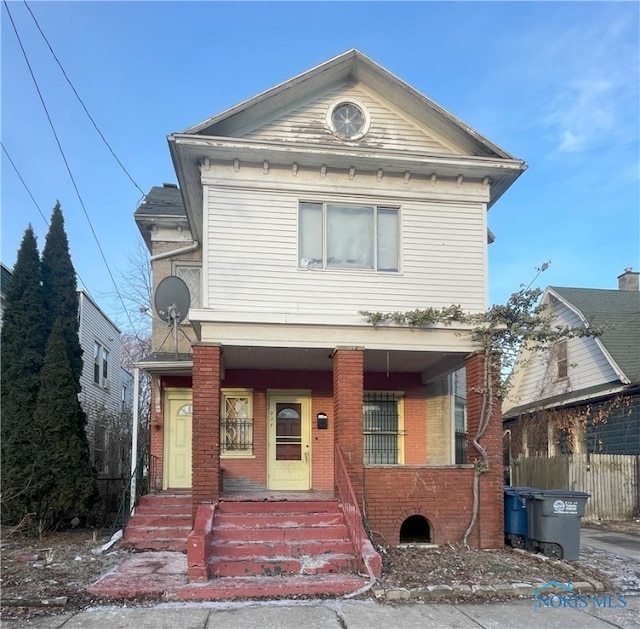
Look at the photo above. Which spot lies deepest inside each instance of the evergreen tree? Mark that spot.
(63, 462)
(59, 290)
(23, 340)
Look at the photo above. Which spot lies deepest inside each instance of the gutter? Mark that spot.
(168, 254)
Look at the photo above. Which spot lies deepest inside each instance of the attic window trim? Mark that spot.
(358, 105)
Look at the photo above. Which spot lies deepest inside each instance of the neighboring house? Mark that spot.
(5, 276)
(106, 390)
(582, 395)
(339, 191)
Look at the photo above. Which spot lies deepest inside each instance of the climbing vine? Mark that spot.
(503, 332)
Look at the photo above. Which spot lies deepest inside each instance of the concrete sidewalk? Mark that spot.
(343, 614)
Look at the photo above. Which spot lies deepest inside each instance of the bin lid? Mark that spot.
(516, 491)
(558, 493)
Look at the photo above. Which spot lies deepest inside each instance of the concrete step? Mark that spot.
(284, 506)
(279, 533)
(280, 548)
(278, 520)
(328, 563)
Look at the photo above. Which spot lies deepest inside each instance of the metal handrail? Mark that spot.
(352, 513)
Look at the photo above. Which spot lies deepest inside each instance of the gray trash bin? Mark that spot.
(553, 521)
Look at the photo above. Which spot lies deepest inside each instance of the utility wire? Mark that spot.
(26, 187)
(44, 218)
(66, 163)
(126, 172)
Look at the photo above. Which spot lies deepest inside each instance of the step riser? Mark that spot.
(159, 510)
(161, 520)
(283, 566)
(158, 532)
(280, 549)
(278, 507)
(156, 544)
(279, 534)
(273, 520)
(165, 501)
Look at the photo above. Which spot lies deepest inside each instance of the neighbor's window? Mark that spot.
(236, 423)
(382, 428)
(105, 365)
(97, 357)
(190, 275)
(560, 360)
(339, 236)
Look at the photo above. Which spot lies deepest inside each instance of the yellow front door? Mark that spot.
(177, 469)
(289, 448)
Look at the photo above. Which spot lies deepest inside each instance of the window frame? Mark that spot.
(236, 393)
(458, 402)
(560, 354)
(377, 209)
(177, 265)
(385, 396)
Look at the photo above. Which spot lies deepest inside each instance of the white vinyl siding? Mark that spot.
(389, 128)
(96, 328)
(587, 367)
(252, 259)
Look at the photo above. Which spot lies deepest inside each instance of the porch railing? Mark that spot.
(352, 513)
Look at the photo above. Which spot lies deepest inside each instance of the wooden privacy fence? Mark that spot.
(613, 480)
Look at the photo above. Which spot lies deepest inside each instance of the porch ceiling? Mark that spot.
(431, 364)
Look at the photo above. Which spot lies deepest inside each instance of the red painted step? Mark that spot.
(160, 522)
(279, 538)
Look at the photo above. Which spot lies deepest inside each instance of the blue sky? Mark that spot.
(555, 84)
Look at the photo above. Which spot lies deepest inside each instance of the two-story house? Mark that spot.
(572, 417)
(106, 392)
(339, 191)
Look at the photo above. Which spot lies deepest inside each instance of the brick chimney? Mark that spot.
(628, 280)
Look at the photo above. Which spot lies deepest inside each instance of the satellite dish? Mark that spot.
(172, 301)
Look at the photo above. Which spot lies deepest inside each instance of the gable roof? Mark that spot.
(351, 66)
(220, 137)
(618, 311)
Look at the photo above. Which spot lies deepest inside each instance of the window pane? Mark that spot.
(190, 275)
(105, 363)
(310, 236)
(350, 236)
(96, 363)
(387, 239)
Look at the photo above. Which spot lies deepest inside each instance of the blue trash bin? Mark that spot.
(515, 516)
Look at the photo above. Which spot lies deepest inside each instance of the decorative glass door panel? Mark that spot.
(288, 432)
(289, 447)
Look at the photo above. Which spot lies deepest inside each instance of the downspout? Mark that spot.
(176, 252)
(134, 439)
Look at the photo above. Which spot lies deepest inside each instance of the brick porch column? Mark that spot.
(205, 446)
(348, 384)
(489, 528)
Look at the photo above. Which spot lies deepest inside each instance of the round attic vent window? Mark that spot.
(348, 120)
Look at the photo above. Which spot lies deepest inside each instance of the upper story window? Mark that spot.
(100, 365)
(348, 119)
(340, 236)
(560, 358)
(190, 275)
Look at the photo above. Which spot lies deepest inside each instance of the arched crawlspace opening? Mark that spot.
(415, 530)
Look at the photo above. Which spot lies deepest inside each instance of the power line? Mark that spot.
(44, 218)
(66, 163)
(126, 172)
(26, 187)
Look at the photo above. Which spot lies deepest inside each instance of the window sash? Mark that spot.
(348, 236)
(382, 420)
(236, 424)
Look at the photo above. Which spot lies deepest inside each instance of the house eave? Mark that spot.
(190, 152)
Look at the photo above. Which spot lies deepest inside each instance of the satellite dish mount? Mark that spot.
(171, 301)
